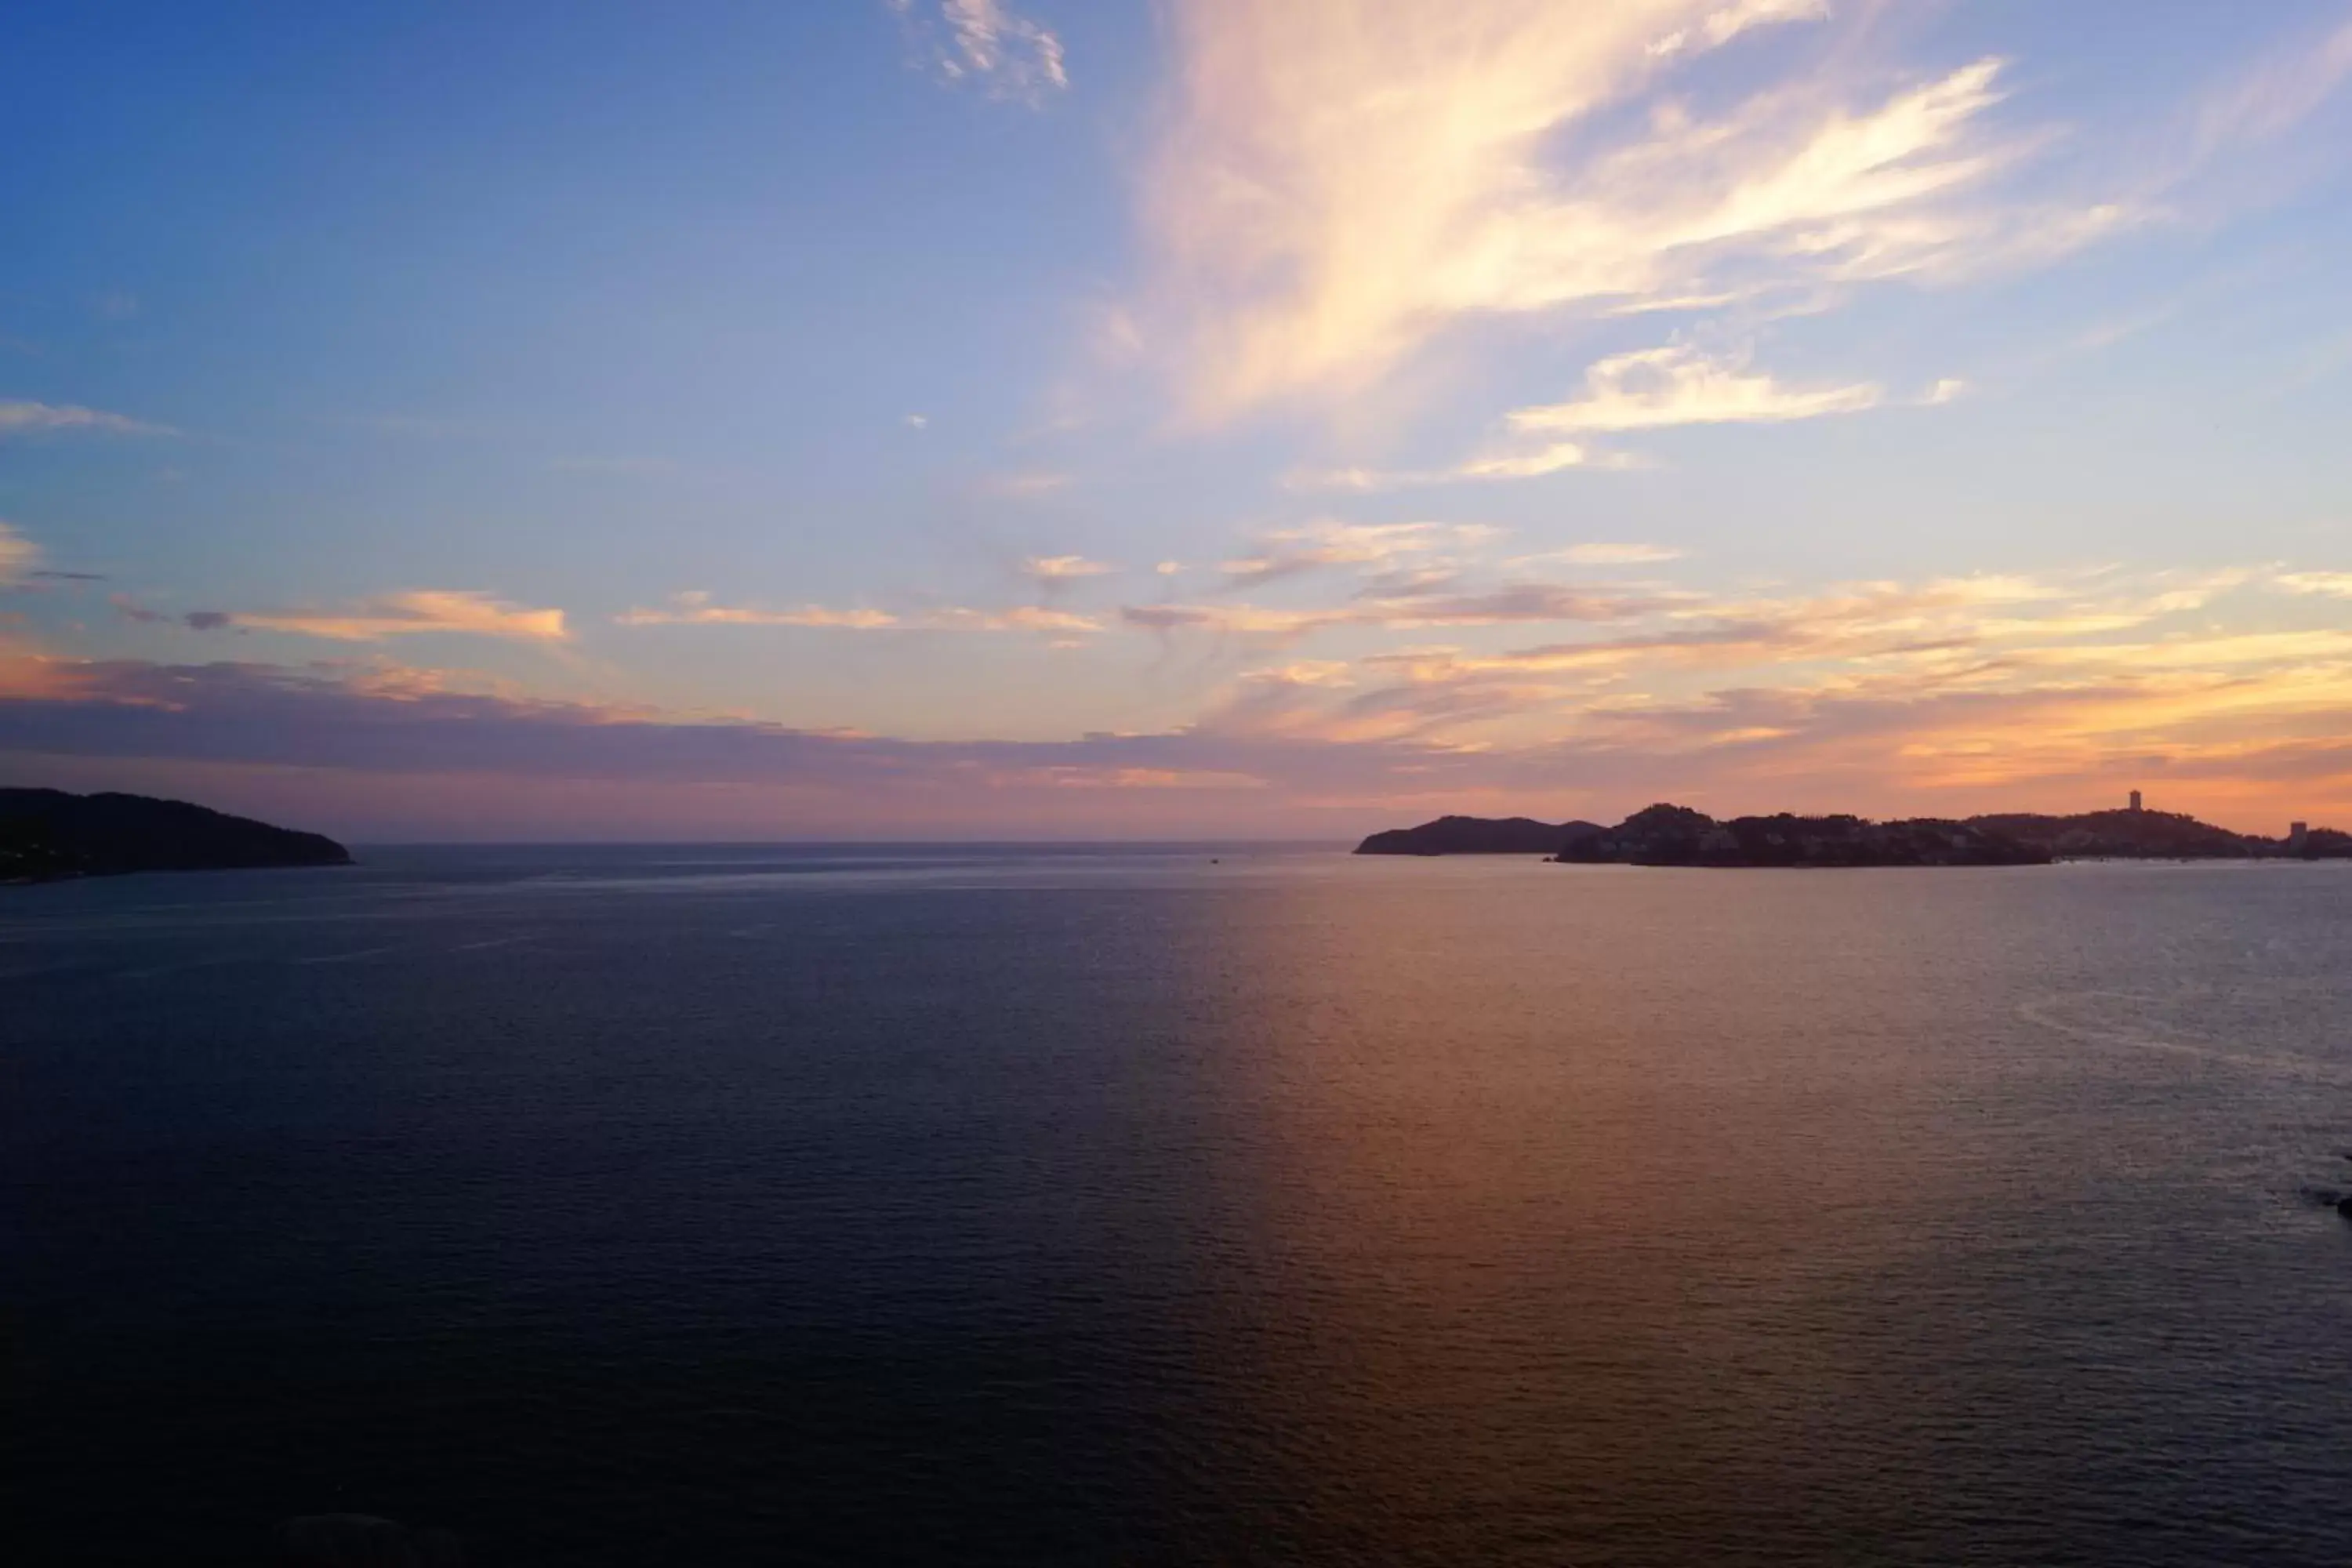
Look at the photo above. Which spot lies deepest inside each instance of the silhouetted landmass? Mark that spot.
(47, 834)
(1478, 835)
(2322, 844)
(2128, 834)
(2158, 835)
(1678, 836)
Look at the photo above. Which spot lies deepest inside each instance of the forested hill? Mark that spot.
(1678, 836)
(47, 834)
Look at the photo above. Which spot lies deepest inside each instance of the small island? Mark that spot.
(1668, 834)
(1478, 835)
(48, 835)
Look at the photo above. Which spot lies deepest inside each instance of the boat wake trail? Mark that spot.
(2047, 1013)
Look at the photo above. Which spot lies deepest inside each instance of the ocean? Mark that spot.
(1183, 1205)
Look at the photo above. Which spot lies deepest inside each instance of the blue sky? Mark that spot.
(1220, 416)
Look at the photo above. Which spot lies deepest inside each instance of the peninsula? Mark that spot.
(47, 835)
(1666, 835)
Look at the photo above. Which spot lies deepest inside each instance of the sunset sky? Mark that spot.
(955, 419)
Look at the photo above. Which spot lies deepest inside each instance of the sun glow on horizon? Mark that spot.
(1331, 410)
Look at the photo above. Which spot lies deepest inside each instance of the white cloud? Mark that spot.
(36, 418)
(1342, 178)
(1719, 28)
(1650, 389)
(1657, 388)
(980, 41)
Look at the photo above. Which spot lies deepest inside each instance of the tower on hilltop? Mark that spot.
(2135, 805)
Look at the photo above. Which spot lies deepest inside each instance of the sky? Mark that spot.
(1169, 419)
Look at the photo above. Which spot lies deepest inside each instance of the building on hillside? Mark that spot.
(2298, 834)
(2135, 805)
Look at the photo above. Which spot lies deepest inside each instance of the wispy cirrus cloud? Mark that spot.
(1719, 27)
(1342, 178)
(1640, 391)
(696, 608)
(984, 43)
(2277, 92)
(26, 418)
(1643, 390)
(1371, 547)
(1656, 389)
(1599, 552)
(1523, 463)
(410, 614)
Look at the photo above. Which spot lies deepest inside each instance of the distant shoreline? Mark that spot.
(1667, 835)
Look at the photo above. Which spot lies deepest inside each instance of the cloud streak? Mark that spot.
(25, 418)
(695, 608)
(2278, 92)
(1643, 390)
(1378, 547)
(1656, 389)
(411, 614)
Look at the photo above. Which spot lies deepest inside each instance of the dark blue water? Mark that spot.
(711, 1208)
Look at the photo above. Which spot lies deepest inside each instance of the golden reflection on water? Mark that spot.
(1557, 1196)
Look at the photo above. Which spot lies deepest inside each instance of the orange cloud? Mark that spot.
(411, 614)
(1287, 748)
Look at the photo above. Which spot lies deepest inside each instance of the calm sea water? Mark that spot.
(703, 1207)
